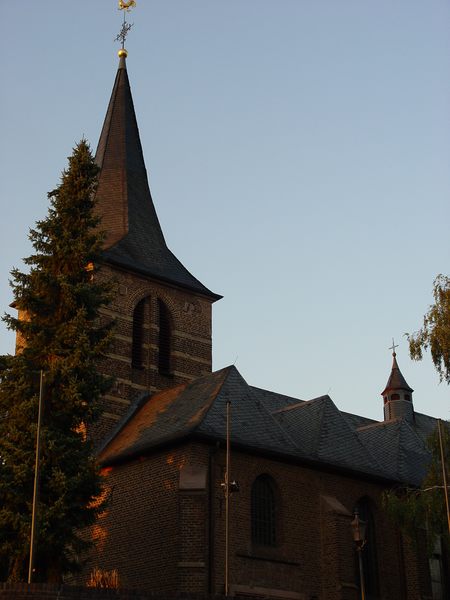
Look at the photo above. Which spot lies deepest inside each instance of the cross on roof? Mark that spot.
(122, 35)
(393, 347)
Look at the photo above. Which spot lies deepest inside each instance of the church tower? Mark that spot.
(162, 313)
(397, 395)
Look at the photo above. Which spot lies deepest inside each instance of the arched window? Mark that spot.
(437, 570)
(137, 349)
(165, 339)
(263, 511)
(369, 551)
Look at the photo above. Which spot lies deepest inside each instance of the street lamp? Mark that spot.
(359, 537)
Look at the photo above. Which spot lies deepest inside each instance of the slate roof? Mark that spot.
(313, 432)
(134, 239)
(399, 448)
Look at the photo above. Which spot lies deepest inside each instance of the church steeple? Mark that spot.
(397, 395)
(134, 239)
(162, 313)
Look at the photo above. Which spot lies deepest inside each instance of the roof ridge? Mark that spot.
(318, 432)
(106, 125)
(345, 412)
(352, 432)
(274, 420)
(212, 400)
(136, 405)
(279, 394)
(377, 424)
(405, 424)
(300, 404)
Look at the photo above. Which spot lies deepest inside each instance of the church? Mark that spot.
(216, 486)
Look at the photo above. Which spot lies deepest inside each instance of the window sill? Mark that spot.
(266, 557)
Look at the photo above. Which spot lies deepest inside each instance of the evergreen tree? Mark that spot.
(59, 332)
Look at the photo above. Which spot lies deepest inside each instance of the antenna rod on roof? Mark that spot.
(227, 499)
(444, 473)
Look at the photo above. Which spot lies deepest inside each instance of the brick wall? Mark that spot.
(315, 554)
(152, 532)
(160, 533)
(191, 354)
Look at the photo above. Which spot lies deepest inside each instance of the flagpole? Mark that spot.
(33, 535)
(227, 501)
(444, 473)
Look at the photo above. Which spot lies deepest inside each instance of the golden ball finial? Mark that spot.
(122, 53)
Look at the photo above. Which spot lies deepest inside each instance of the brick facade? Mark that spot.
(164, 530)
(190, 351)
(152, 532)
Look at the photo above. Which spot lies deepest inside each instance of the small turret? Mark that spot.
(397, 395)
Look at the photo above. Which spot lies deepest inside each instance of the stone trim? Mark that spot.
(190, 336)
(247, 590)
(268, 559)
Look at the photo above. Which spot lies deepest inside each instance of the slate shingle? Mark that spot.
(134, 237)
(399, 448)
(314, 430)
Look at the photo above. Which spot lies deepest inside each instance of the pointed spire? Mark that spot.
(134, 239)
(396, 380)
(397, 394)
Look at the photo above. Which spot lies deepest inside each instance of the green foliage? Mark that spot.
(60, 332)
(435, 333)
(423, 509)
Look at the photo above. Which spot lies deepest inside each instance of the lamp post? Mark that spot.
(359, 537)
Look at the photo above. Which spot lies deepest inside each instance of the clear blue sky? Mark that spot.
(299, 160)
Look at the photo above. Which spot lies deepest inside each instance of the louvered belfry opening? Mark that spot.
(165, 340)
(263, 512)
(137, 350)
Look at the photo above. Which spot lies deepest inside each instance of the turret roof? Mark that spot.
(396, 380)
(134, 239)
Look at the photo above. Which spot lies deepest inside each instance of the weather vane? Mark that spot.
(122, 35)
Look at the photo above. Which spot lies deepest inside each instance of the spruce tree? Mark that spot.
(60, 332)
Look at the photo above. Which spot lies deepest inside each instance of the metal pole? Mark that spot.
(444, 473)
(361, 574)
(227, 499)
(33, 535)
